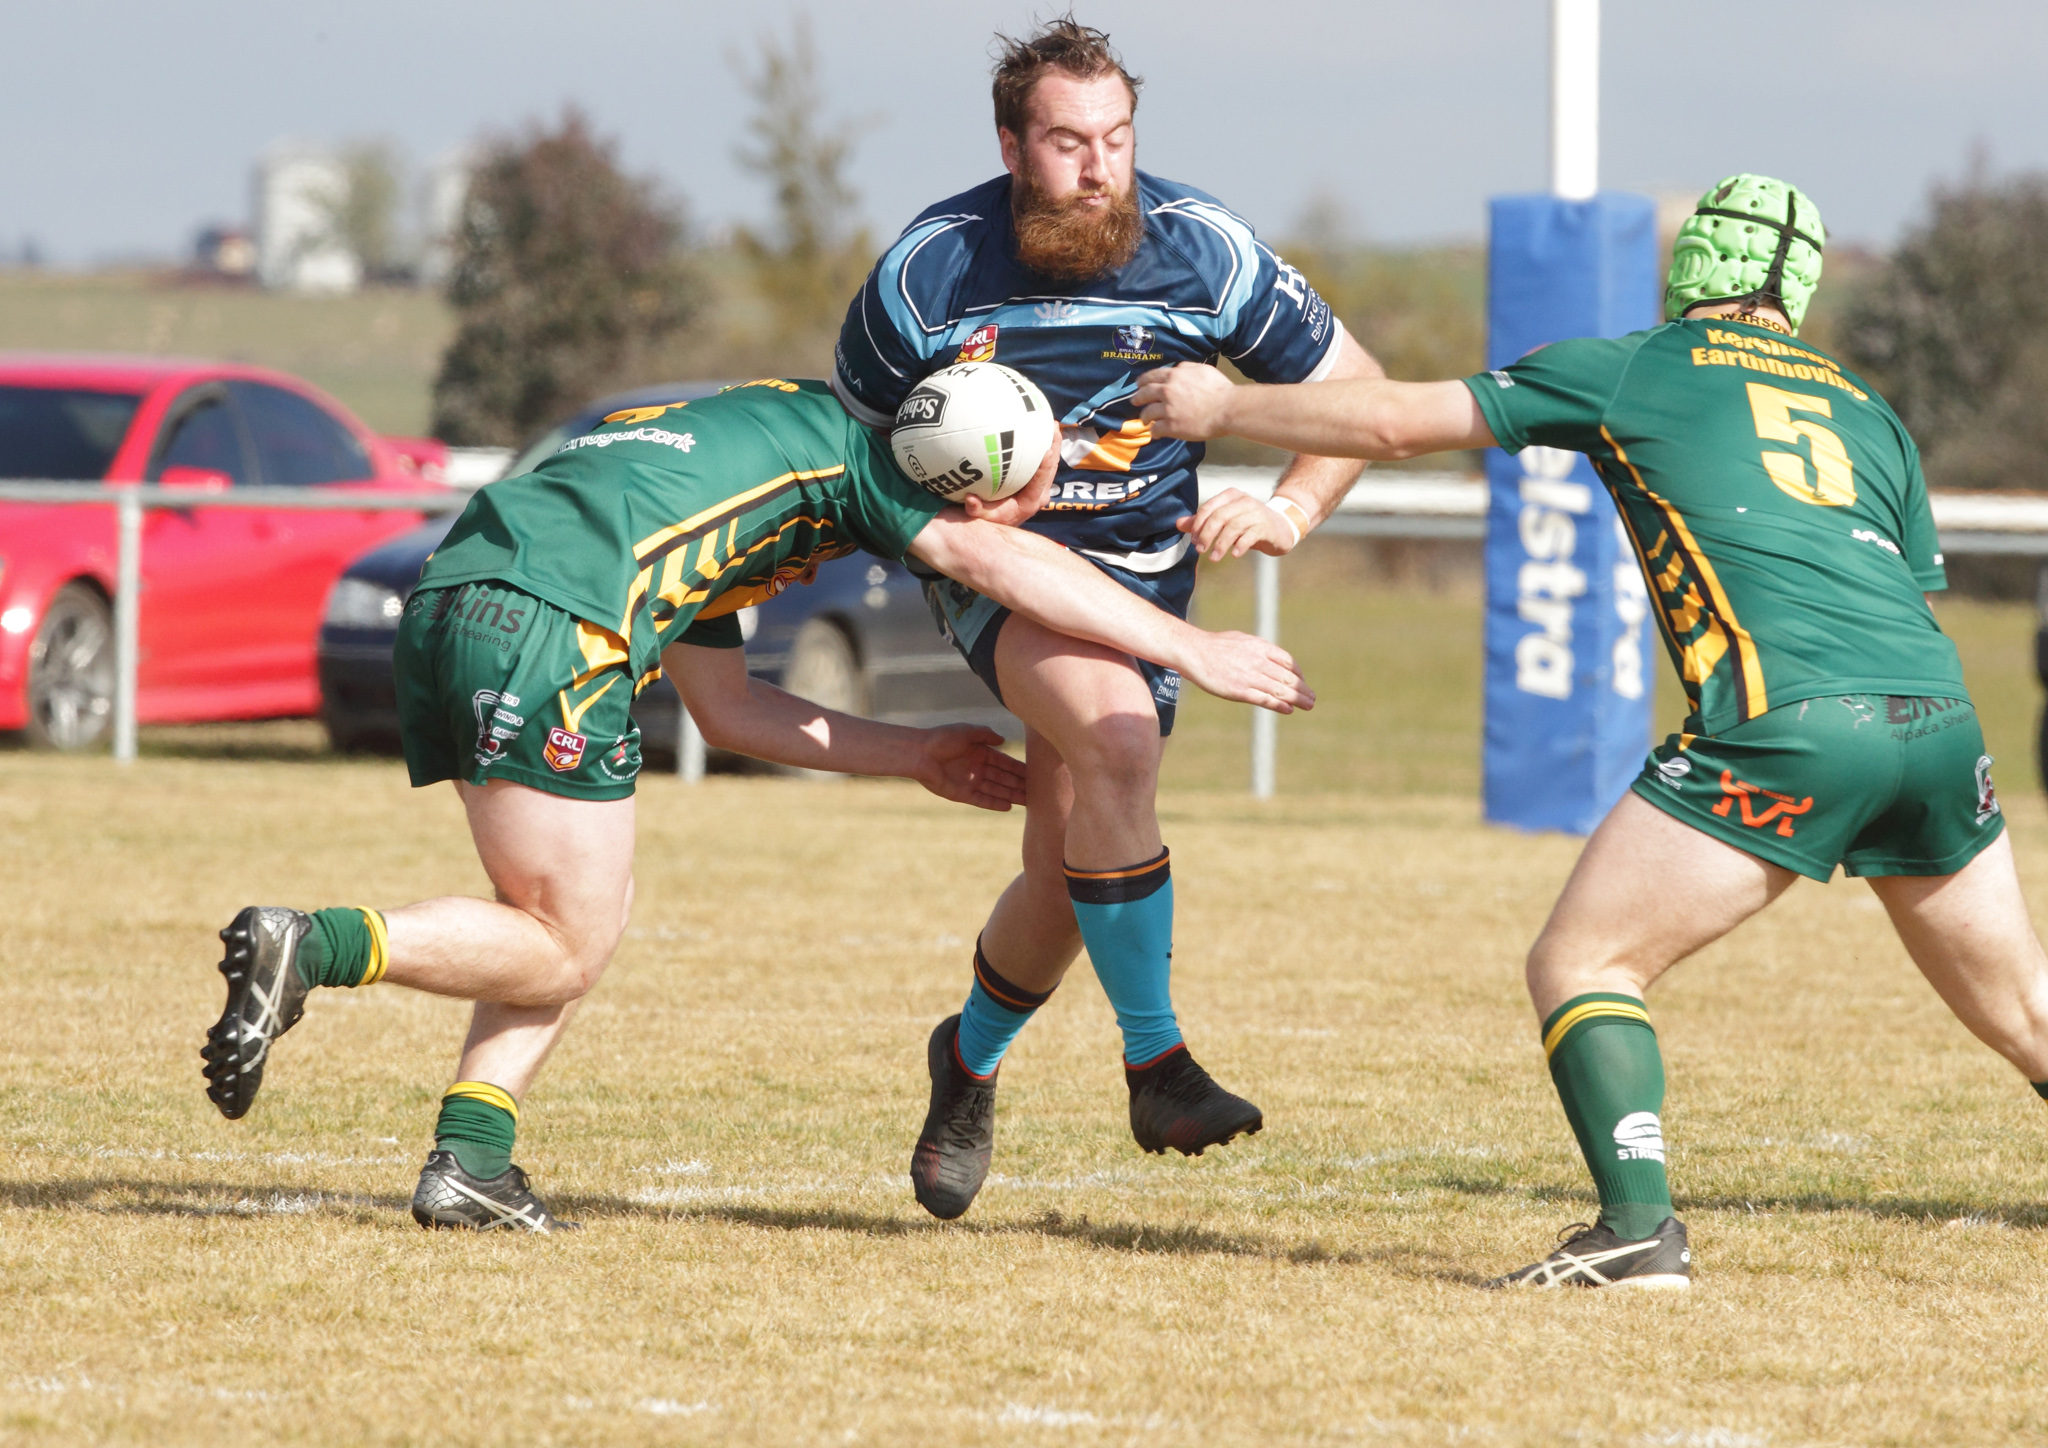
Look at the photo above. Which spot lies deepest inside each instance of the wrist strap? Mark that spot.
(1281, 506)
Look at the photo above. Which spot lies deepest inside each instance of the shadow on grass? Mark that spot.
(1937, 1210)
(130, 1196)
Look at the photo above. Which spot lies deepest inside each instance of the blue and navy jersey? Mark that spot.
(1200, 286)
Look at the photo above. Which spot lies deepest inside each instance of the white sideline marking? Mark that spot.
(1704, 1438)
(692, 1167)
(670, 1408)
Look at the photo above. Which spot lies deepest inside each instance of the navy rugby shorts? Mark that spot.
(972, 622)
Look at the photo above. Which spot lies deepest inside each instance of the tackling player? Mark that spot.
(1084, 272)
(556, 598)
(1777, 508)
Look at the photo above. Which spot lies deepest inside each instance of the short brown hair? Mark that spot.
(1064, 45)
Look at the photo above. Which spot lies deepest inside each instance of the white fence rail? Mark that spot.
(1446, 506)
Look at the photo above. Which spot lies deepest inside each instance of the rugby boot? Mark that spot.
(266, 997)
(950, 1161)
(1595, 1257)
(450, 1198)
(1175, 1103)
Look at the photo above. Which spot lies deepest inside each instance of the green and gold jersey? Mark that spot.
(666, 521)
(1775, 501)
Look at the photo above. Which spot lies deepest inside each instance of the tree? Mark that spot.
(567, 272)
(809, 266)
(363, 215)
(1954, 331)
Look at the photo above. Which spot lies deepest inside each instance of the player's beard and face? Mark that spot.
(1074, 203)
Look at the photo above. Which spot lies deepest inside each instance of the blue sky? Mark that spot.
(124, 126)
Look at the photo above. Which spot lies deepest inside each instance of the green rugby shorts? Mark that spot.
(1878, 784)
(497, 684)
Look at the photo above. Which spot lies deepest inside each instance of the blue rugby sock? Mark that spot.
(1126, 919)
(996, 1010)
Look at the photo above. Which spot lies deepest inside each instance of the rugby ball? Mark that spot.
(975, 428)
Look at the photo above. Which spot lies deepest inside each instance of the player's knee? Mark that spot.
(1120, 752)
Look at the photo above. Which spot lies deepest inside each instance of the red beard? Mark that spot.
(1062, 238)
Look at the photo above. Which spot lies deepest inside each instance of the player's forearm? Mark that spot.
(1317, 485)
(1358, 418)
(735, 711)
(773, 724)
(1039, 579)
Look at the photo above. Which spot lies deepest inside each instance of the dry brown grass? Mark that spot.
(732, 1116)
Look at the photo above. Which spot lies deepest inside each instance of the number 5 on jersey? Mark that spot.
(1833, 483)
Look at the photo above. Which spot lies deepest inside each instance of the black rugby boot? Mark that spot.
(950, 1161)
(1175, 1103)
(1595, 1257)
(449, 1197)
(266, 997)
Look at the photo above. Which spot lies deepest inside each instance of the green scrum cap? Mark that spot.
(1750, 239)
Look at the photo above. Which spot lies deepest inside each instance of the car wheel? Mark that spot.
(71, 671)
(823, 668)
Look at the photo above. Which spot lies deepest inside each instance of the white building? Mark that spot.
(299, 194)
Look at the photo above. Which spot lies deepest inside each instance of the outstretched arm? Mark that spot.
(735, 711)
(1041, 580)
(1235, 522)
(1355, 418)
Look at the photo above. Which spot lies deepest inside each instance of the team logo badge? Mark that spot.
(1987, 797)
(1134, 344)
(1782, 809)
(622, 760)
(981, 347)
(496, 724)
(1673, 771)
(563, 751)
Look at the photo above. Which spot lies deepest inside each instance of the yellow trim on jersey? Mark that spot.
(485, 1092)
(1756, 698)
(380, 947)
(1554, 1037)
(737, 501)
(572, 714)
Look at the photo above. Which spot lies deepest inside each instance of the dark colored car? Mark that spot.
(857, 638)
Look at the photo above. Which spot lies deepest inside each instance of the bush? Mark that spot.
(1954, 332)
(567, 273)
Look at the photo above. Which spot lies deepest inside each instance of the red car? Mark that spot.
(231, 597)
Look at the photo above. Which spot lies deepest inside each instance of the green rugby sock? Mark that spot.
(1610, 1076)
(345, 947)
(2040, 1089)
(478, 1123)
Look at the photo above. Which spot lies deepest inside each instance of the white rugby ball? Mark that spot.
(975, 427)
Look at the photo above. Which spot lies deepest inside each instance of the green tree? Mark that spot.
(809, 264)
(1954, 331)
(363, 215)
(567, 274)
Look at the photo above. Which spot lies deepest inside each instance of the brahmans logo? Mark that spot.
(1639, 1136)
(563, 751)
(1782, 809)
(1133, 344)
(925, 407)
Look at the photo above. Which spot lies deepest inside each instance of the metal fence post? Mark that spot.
(127, 618)
(1265, 723)
(689, 744)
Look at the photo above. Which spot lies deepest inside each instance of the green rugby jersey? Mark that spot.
(1775, 502)
(666, 521)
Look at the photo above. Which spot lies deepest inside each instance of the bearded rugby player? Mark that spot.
(558, 596)
(1777, 508)
(1085, 271)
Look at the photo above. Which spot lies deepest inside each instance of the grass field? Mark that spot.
(732, 1116)
(377, 350)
